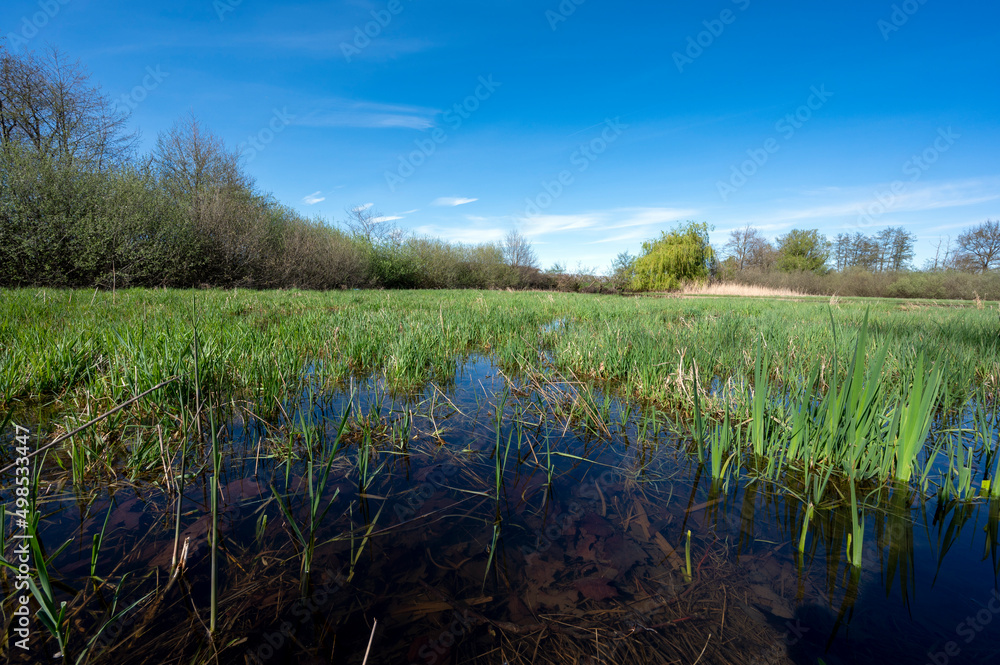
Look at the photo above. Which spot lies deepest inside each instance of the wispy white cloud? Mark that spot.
(651, 216)
(957, 225)
(588, 228)
(464, 234)
(847, 206)
(370, 115)
(540, 225)
(585, 228)
(362, 207)
(386, 218)
(644, 220)
(636, 234)
(315, 39)
(313, 199)
(451, 201)
(562, 237)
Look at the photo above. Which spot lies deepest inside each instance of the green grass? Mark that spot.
(793, 375)
(317, 475)
(836, 407)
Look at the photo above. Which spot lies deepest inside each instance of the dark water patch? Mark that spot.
(503, 520)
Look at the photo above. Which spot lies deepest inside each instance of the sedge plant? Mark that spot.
(317, 477)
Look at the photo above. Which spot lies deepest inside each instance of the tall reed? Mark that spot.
(912, 422)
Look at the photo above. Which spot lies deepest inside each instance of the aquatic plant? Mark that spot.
(317, 475)
(912, 422)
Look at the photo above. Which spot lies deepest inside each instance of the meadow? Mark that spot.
(285, 430)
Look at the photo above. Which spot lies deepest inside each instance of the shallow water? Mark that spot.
(578, 554)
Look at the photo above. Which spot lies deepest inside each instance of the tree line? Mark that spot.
(977, 249)
(80, 207)
(879, 264)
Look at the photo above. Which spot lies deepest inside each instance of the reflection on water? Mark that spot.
(492, 518)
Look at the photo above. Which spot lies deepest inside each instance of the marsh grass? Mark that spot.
(912, 422)
(51, 611)
(825, 406)
(319, 461)
(855, 540)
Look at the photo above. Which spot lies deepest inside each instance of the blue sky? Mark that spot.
(588, 125)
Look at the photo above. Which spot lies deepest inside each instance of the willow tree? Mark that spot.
(682, 255)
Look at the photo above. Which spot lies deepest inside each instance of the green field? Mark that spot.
(72, 352)
(833, 406)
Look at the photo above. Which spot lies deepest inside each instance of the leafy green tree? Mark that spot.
(803, 250)
(682, 255)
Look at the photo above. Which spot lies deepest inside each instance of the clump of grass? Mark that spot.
(912, 422)
(317, 475)
(724, 446)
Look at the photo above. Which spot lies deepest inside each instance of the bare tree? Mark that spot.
(368, 224)
(622, 270)
(738, 246)
(750, 249)
(517, 251)
(194, 163)
(763, 256)
(234, 224)
(22, 98)
(940, 262)
(889, 249)
(979, 247)
(48, 103)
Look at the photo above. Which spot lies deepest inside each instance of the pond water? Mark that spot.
(495, 519)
